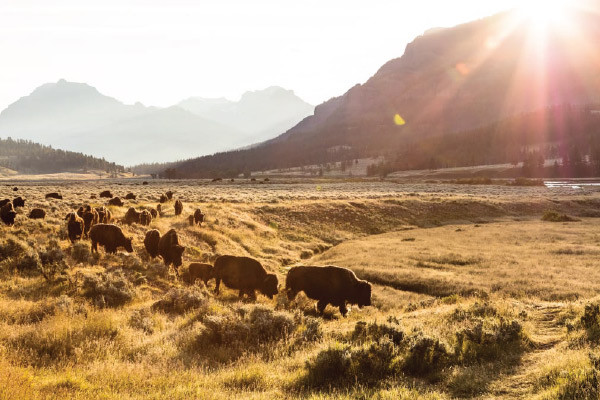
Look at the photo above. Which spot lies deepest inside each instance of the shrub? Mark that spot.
(53, 261)
(330, 367)
(488, 340)
(142, 320)
(590, 320)
(553, 216)
(105, 289)
(425, 355)
(364, 332)
(181, 300)
(311, 330)
(80, 253)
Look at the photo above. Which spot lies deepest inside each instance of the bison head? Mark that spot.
(128, 246)
(363, 294)
(177, 253)
(269, 286)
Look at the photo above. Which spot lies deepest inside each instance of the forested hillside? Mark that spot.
(28, 157)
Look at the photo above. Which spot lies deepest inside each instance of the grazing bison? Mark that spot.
(90, 218)
(109, 236)
(178, 207)
(54, 195)
(104, 215)
(74, 227)
(3, 202)
(7, 214)
(246, 275)
(130, 196)
(145, 183)
(116, 202)
(131, 217)
(198, 217)
(151, 242)
(15, 189)
(329, 285)
(163, 198)
(204, 272)
(169, 195)
(145, 218)
(106, 194)
(154, 213)
(170, 250)
(37, 213)
(18, 202)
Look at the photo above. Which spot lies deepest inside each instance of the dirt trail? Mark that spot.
(546, 334)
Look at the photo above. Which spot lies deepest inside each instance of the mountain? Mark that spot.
(32, 158)
(447, 82)
(260, 115)
(77, 117)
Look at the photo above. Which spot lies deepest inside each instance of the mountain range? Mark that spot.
(77, 117)
(450, 81)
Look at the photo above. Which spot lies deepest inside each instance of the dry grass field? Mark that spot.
(474, 295)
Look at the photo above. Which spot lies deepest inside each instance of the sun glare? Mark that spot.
(544, 14)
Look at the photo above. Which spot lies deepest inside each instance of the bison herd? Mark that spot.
(331, 285)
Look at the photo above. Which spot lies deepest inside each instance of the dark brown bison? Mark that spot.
(106, 194)
(169, 195)
(329, 285)
(246, 275)
(7, 214)
(198, 217)
(163, 198)
(74, 227)
(145, 218)
(154, 213)
(54, 195)
(4, 202)
(18, 202)
(109, 236)
(37, 213)
(131, 216)
(204, 272)
(116, 202)
(170, 250)
(178, 207)
(104, 215)
(151, 242)
(90, 218)
(145, 183)
(130, 196)
(15, 189)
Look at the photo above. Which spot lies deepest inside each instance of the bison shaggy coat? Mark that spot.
(198, 217)
(204, 272)
(7, 214)
(111, 237)
(151, 242)
(106, 194)
(329, 285)
(170, 250)
(246, 275)
(19, 202)
(130, 196)
(90, 218)
(104, 215)
(116, 202)
(178, 207)
(54, 195)
(74, 226)
(37, 213)
(131, 216)
(145, 218)
(4, 202)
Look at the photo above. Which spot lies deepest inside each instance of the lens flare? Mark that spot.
(398, 120)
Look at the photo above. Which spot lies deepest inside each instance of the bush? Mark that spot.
(553, 216)
(590, 320)
(364, 332)
(80, 253)
(105, 289)
(53, 261)
(330, 367)
(488, 340)
(182, 300)
(425, 355)
(142, 320)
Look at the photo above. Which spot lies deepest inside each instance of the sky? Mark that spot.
(160, 52)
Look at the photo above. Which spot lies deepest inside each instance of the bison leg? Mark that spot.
(217, 284)
(94, 246)
(251, 294)
(241, 295)
(291, 294)
(321, 306)
(344, 310)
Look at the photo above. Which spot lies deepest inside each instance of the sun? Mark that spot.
(543, 14)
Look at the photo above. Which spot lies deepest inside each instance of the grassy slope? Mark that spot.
(540, 273)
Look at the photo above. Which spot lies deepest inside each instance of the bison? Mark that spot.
(7, 214)
(37, 213)
(116, 202)
(198, 217)
(18, 202)
(170, 250)
(130, 196)
(145, 218)
(329, 285)
(178, 207)
(106, 194)
(111, 237)
(145, 183)
(151, 242)
(163, 198)
(246, 275)
(3, 202)
(74, 227)
(104, 215)
(204, 272)
(154, 213)
(131, 216)
(169, 195)
(90, 218)
(54, 195)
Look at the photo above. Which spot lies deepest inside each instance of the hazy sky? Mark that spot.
(162, 51)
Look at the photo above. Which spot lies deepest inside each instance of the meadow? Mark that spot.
(479, 291)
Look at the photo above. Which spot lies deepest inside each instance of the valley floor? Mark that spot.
(474, 295)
